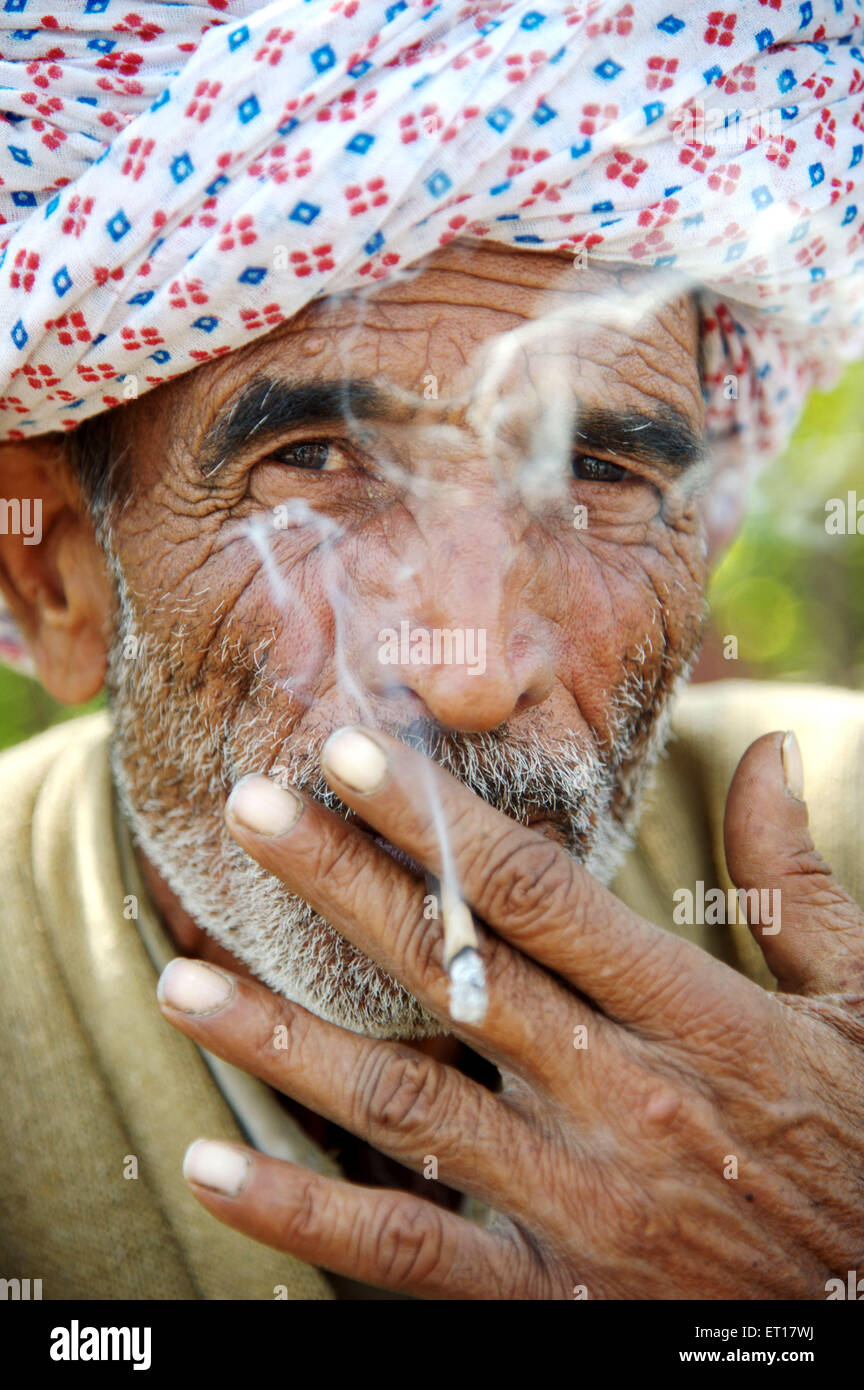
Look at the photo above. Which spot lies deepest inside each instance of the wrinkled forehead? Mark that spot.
(472, 331)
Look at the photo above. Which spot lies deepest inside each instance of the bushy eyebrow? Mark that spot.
(665, 439)
(268, 406)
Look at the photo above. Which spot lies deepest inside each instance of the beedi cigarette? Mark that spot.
(459, 929)
(462, 961)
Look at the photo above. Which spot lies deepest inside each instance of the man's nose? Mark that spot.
(461, 626)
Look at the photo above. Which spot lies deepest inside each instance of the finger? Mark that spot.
(380, 1237)
(379, 905)
(809, 928)
(401, 1102)
(529, 889)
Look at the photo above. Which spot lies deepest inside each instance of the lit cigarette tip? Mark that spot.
(468, 1000)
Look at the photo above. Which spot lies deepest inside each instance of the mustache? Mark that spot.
(525, 774)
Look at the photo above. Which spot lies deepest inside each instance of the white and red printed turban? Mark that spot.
(177, 179)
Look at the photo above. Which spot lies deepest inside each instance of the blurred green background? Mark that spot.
(792, 594)
(25, 708)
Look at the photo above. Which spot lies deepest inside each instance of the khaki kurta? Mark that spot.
(95, 1086)
(94, 1081)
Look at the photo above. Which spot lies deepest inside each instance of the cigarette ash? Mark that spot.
(468, 999)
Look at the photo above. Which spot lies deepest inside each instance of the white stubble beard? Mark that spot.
(163, 740)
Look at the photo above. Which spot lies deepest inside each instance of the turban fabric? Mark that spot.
(178, 179)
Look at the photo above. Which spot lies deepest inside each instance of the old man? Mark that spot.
(325, 325)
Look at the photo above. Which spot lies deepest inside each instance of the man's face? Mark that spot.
(511, 465)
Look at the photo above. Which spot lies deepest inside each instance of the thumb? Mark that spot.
(810, 930)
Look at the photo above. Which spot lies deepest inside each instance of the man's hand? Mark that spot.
(609, 1164)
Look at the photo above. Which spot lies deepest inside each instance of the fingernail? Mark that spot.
(793, 767)
(217, 1166)
(356, 760)
(193, 988)
(262, 807)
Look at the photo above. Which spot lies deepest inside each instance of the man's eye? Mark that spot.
(314, 454)
(593, 470)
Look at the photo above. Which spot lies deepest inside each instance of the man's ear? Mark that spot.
(53, 573)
